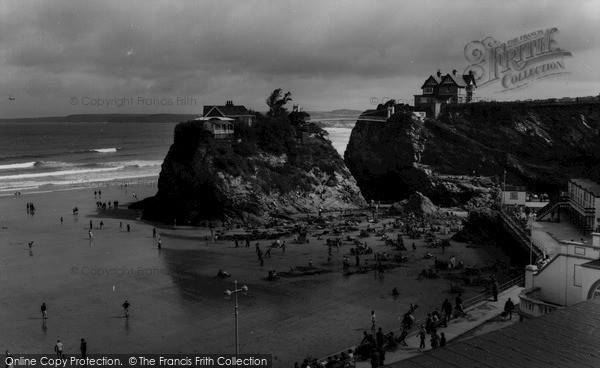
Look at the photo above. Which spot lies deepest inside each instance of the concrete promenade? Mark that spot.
(477, 315)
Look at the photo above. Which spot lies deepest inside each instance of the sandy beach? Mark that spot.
(177, 303)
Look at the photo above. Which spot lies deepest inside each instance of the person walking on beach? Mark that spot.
(373, 322)
(442, 340)
(128, 228)
(126, 308)
(159, 243)
(91, 236)
(58, 348)
(101, 225)
(283, 247)
(90, 224)
(30, 244)
(154, 232)
(422, 334)
(83, 348)
(44, 312)
(268, 253)
(61, 220)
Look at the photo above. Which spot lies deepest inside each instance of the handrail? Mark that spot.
(467, 304)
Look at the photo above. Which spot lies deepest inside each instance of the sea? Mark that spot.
(54, 156)
(49, 156)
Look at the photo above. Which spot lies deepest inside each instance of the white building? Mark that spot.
(572, 276)
(512, 195)
(584, 204)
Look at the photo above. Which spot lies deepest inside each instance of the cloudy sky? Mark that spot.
(61, 57)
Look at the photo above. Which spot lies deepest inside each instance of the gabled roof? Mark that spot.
(459, 80)
(433, 80)
(230, 110)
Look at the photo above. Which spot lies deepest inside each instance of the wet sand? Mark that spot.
(177, 303)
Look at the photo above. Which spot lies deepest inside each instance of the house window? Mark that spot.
(427, 90)
(577, 276)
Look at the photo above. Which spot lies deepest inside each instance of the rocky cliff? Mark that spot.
(540, 145)
(272, 169)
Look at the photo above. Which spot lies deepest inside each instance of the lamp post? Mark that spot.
(228, 293)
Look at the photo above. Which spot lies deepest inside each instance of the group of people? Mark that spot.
(30, 208)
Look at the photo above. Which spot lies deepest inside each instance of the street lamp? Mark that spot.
(228, 293)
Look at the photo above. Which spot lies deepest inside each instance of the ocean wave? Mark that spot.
(35, 164)
(104, 150)
(133, 163)
(59, 173)
(23, 165)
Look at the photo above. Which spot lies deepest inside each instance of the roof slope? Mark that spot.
(565, 338)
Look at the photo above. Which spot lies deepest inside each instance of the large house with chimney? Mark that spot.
(221, 120)
(440, 90)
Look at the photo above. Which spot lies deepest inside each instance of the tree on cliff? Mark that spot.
(276, 103)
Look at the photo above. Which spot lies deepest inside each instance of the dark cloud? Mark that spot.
(335, 54)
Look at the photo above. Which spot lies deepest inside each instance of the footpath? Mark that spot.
(477, 315)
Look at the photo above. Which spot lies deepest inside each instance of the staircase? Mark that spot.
(555, 204)
(521, 235)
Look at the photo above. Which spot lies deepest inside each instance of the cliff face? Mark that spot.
(264, 173)
(540, 146)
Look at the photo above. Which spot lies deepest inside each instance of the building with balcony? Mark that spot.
(440, 90)
(221, 120)
(584, 204)
(570, 277)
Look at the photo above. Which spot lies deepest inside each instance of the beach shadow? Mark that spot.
(36, 318)
(44, 328)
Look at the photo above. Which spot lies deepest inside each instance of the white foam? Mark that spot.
(59, 173)
(23, 165)
(104, 150)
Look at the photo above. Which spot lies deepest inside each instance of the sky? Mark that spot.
(91, 57)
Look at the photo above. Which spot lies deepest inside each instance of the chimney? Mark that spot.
(295, 108)
(229, 103)
(439, 73)
(454, 72)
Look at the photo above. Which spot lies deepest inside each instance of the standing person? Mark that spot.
(509, 307)
(91, 236)
(83, 348)
(159, 243)
(90, 224)
(373, 321)
(379, 338)
(126, 308)
(442, 340)
(44, 311)
(447, 308)
(101, 225)
(128, 228)
(61, 220)
(495, 288)
(58, 348)
(435, 340)
(422, 334)
(154, 232)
